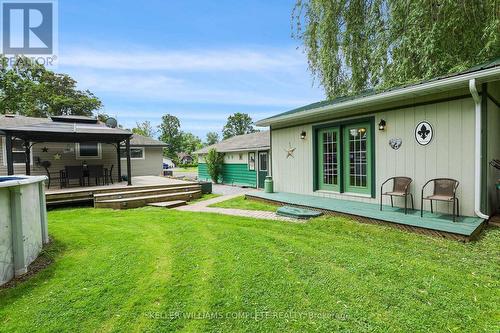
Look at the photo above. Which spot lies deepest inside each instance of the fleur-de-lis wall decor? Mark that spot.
(424, 133)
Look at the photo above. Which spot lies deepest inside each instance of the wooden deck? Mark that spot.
(70, 195)
(465, 228)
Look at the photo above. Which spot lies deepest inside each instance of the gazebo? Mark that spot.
(71, 129)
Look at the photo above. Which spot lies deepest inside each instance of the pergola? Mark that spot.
(66, 130)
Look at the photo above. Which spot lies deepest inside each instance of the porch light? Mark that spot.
(303, 135)
(381, 125)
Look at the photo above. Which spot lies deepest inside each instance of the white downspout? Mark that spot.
(477, 150)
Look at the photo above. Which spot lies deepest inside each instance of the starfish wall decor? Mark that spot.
(289, 151)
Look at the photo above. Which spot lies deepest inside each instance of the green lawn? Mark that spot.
(207, 196)
(242, 203)
(190, 169)
(153, 269)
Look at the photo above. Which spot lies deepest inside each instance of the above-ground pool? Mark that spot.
(23, 223)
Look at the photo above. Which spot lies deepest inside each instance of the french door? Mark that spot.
(344, 158)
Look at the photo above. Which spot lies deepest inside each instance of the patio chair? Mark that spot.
(73, 172)
(400, 188)
(445, 189)
(97, 172)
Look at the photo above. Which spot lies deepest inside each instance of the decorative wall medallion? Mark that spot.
(423, 133)
(395, 143)
(57, 156)
(289, 151)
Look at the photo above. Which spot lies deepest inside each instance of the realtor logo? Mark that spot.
(28, 27)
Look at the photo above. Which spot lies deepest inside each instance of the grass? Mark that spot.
(205, 197)
(190, 169)
(150, 269)
(242, 203)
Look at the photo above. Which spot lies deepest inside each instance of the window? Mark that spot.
(241, 157)
(251, 161)
(262, 161)
(136, 153)
(18, 152)
(88, 150)
(344, 158)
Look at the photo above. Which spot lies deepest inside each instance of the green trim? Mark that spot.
(348, 187)
(370, 122)
(364, 114)
(319, 165)
(484, 147)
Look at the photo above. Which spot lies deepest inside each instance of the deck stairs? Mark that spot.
(129, 197)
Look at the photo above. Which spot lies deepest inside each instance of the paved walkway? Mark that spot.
(202, 206)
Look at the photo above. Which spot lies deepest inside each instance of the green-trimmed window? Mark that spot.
(345, 158)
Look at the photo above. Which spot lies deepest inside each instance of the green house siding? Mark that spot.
(203, 172)
(234, 174)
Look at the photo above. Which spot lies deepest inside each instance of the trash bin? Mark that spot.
(206, 187)
(268, 184)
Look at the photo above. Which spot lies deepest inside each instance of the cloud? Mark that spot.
(161, 87)
(184, 60)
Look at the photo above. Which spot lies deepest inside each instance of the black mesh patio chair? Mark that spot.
(400, 188)
(96, 172)
(445, 189)
(72, 172)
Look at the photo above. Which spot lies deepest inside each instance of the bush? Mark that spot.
(188, 165)
(214, 162)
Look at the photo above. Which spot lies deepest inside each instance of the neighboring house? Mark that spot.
(101, 148)
(246, 159)
(345, 148)
(185, 158)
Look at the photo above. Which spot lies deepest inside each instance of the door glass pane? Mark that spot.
(330, 158)
(357, 157)
(263, 162)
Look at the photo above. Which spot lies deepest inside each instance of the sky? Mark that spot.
(198, 60)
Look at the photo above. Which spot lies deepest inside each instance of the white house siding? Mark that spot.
(150, 166)
(450, 154)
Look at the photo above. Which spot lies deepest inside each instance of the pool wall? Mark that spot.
(23, 224)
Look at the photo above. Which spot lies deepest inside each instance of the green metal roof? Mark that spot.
(371, 92)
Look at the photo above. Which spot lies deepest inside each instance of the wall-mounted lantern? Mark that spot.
(381, 125)
(303, 135)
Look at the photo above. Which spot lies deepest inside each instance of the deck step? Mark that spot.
(144, 192)
(94, 190)
(135, 202)
(168, 204)
(69, 201)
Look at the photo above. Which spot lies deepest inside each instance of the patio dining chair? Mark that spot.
(445, 189)
(72, 172)
(96, 172)
(400, 188)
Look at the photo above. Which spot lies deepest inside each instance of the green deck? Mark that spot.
(464, 226)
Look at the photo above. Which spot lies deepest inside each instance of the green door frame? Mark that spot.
(341, 124)
(321, 146)
(346, 162)
(261, 174)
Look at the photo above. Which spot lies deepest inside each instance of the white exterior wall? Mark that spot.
(151, 165)
(450, 154)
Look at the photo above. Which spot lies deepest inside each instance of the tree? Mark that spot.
(212, 138)
(30, 89)
(170, 134)
(238, 124)
(214, 162)
(354, 45)
(189, 143)
(145, 129)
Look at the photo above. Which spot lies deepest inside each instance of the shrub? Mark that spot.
(214, 162)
